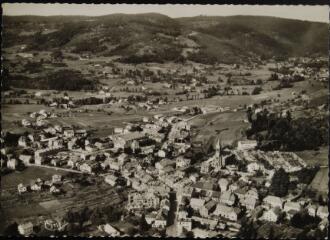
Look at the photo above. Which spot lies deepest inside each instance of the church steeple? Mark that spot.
(219, 162)
(218, 147)
(218, 158)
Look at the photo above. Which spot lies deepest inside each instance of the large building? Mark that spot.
(146, 200)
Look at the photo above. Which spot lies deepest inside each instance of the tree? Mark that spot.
(320, 234)
(57, 55)
(271, 234)
(11, 230)
(273, 77)
(247, 229)
(190, 234)
(302, 219)
(143, 225)
(97, 217)
(256, 90)
(5, 79)
(288, 115)
(249, 114)
(280, 183)
(259, 81)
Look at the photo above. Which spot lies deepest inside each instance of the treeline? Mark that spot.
(93, 100)
(283, 133)
(69, 80)
(136, 98)
(97, 216)
(160, 56)
(59, 80)
(202, 57)
(286, 82)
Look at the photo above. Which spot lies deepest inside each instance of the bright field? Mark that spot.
(209, 123)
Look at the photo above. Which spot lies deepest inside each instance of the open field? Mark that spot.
(24, 211)
(209, 123)
(16, 112)
(31, 173)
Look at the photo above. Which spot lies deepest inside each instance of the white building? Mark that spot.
(56, 178)
(21, 188)
(197, 203)
(322, 212)
(111, 179)
(224, 211)
(273, 201)
(113, 232)
(271, 215)
(35, 187)
(246, 145)
(160, 222)
(25, 229)
(12, 163)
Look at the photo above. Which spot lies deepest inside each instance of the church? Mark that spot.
(216, 162)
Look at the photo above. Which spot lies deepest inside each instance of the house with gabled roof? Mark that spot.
(271, 215)
(230, 213)
(197, 203)
(208, 208)
(227, 198)
(289, 206)
(273, 201)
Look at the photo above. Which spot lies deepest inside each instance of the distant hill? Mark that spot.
(264, 36)
(153, 37)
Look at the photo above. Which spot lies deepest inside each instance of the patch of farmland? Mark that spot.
(17, 111)
(220, 101)
(208, 124)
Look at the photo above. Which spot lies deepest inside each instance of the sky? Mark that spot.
(309, 13)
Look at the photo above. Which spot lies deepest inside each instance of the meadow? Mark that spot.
(11, 180)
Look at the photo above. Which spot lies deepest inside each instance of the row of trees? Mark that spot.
(283, 133)
(64, 79)
(99, 215)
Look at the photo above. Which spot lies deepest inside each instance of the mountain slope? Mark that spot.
(264, 36)
(155, 37)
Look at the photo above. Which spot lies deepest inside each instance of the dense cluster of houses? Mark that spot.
(149, 158)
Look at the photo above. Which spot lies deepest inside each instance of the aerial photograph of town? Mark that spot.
(164, 121)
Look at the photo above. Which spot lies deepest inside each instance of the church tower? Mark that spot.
(218, 161)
